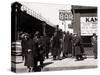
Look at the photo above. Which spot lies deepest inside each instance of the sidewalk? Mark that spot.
(70, 64)
(65, 64)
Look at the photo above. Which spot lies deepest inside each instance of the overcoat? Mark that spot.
(29, 54)
(67, 44)
(56, 43)
(38, 51)
(94, 45)
(77, 46)
(24, 47)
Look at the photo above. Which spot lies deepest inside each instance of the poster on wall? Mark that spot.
(88, 25)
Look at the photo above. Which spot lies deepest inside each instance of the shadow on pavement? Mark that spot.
(38, 69)
(47, 63)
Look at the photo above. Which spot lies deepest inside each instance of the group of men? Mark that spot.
(61, 45)
(37, 48)
(67, 45)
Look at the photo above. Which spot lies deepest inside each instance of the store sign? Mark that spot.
(88, 25)
(65, 15)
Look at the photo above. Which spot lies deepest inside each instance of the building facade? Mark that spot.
(84, 22)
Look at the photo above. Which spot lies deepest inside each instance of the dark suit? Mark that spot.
(78, 48)
(67, 45)
(46, 46)
(24, 47)
(94, 45)
(38, 52)
(28, 54)
(56, 45)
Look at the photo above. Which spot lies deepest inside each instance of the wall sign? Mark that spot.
(88, 25)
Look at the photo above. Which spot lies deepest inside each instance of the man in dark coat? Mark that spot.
(70, 44)
(38, 52)
(60, 44)
(47, 46)
(94, 44)
(56, 43)
(28, 52)
(24, 46)
(77, 46)
(67, 44)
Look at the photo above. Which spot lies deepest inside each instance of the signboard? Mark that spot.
(65, 15)
(88, 25)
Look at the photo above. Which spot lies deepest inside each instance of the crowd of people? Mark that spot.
(61, 45)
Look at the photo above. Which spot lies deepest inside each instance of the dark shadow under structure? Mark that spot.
(21, 21)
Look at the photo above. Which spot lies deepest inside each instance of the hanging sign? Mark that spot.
(65, 15)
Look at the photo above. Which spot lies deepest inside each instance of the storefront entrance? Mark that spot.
(85, 23)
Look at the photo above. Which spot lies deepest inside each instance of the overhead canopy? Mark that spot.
(21, 21)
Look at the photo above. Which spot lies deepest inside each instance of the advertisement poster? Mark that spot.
(88, 25)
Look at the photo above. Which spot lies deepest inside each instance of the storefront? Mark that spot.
(85, 22)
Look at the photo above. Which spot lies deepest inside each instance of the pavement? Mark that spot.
(58, 65)
(70, 64)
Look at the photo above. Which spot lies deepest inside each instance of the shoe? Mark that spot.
(81, 58)
(29, 70)
(63, 57)
(77, 60)
(54, 58)
(59, 58)
(95, 57)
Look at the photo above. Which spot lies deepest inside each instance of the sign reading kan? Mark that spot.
(65, 15)
(88, 25)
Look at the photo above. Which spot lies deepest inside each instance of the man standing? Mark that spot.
(77, 46)
(94, 44)
(38, 52)
(47, 46)
(56, 43)
(67, 45)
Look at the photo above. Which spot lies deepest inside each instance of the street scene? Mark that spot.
(53, 37)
